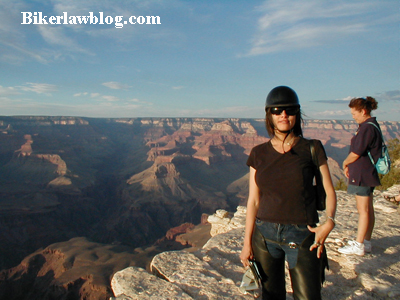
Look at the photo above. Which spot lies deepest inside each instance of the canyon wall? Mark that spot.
(128, 181)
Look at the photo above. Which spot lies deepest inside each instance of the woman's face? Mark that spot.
(283, 122)
(359, 115)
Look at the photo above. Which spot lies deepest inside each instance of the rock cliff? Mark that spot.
(129, 181)
(81, 269)
(215, 272)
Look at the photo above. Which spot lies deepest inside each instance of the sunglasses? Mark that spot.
(290, 111)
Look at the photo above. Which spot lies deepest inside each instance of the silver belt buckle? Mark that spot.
(292, 245)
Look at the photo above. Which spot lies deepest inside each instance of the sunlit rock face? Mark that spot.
(129, 181)
(215, 271)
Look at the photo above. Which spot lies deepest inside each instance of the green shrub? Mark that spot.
(341, 185)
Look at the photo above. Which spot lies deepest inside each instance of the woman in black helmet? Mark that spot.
(281, 208)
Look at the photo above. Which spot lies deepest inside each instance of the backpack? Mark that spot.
(383, 163)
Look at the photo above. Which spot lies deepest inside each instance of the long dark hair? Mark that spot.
(269, 124)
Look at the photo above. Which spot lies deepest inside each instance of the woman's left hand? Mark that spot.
(321, 233)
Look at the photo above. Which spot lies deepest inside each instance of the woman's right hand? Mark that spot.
(245, 255)
(346, 171)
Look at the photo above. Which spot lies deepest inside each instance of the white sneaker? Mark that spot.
(367, 246)
(353, 247)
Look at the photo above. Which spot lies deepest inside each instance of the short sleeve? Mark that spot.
(362, 140)
(321, 154)
(251, 159)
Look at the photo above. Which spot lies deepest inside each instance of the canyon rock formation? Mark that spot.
(127, 182)
(215, 271)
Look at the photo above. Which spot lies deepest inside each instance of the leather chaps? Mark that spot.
(307, 276)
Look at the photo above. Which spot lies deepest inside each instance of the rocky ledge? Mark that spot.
(215, 272)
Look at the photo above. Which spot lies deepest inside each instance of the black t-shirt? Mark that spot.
(367, 138)
(285, 182)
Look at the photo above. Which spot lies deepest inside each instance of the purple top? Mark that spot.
(367, 138)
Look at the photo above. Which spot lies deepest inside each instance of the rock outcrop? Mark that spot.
(215, 272)
(129, 181)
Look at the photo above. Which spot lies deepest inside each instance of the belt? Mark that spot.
(292, 245)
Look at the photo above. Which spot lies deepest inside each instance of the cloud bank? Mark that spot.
(292, 25)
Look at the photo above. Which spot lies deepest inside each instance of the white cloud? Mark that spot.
(348, 98)
(290, 25)
(8, 91)
(116, 85)
(56, 36)
(332, 113)
(139, 102)
(393, 95)
(16, 48)
(110, 98)
(39, 88)
(81, 94)
(390, 95)
(11, 35)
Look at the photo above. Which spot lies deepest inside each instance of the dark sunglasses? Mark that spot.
(290, 111)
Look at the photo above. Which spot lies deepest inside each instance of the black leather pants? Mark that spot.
(307, 276)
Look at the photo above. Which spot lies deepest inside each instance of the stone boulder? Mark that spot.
(143, 285)
(215, 272)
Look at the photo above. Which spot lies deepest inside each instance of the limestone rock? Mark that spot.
(196, 277)
(392, 191)
(221, 221)
(144, 286)
(215, 271)
(222, 253)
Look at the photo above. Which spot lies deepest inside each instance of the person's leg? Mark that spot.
(371, 224)
(366, 219)
(272, 269)
(308, 274)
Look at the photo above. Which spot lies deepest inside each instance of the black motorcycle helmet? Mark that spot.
(282, 96)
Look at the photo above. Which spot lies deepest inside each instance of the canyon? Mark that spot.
(128, 188)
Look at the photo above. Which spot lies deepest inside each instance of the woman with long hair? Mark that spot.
(282, 217)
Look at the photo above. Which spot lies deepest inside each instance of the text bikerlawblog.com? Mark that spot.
(37, 18)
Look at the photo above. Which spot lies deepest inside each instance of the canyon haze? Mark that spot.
(126, 187)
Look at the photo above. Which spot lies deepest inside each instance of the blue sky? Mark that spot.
(206, 58)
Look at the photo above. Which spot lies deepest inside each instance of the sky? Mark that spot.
(181, 58)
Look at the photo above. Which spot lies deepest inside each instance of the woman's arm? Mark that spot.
(352, 157)
(322, 231)
(252, 208)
